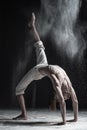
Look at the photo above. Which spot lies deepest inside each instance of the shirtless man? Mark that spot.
(61, 82)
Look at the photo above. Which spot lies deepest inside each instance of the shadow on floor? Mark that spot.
(30, 123)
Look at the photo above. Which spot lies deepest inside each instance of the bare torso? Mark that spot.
(59, 79)
(63, 80)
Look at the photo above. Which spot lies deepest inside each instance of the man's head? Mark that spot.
(65, 92)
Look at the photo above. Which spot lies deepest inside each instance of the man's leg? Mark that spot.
(23, 115)
(40, 53)
(33, 74)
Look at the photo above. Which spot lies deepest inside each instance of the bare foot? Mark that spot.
(33, 18)
(20, 117)
(32, 22)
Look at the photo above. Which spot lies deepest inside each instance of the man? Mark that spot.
(61, 82)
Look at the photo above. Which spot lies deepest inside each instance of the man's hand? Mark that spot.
(73, 120)
(61, 123)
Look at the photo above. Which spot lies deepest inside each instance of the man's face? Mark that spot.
(66, 95)
(65, 91)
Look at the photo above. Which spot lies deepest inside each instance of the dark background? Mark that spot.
(13, 31)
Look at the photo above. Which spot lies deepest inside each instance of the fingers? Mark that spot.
(72, 120)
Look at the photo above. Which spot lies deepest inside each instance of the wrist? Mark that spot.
(75, 119)
(64, 121)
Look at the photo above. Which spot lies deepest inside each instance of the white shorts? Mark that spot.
(33, 74)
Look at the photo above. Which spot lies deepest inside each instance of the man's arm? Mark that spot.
(62, 105)
(74, 103)
(32, 25)
(60, 97)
